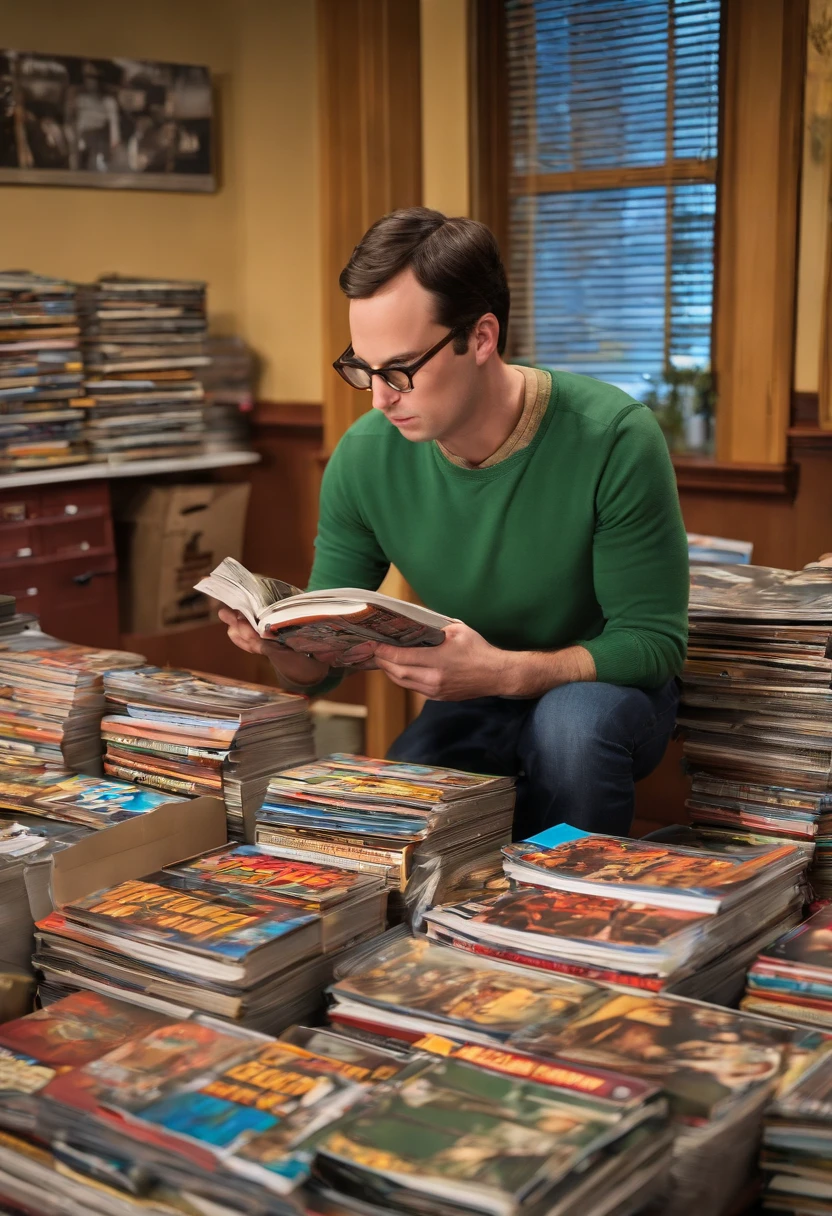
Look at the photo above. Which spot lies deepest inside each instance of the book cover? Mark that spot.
(226, 924)
(615, 860)
(247, 866)
(471, 1128)
(415, 975)
(573, 915)
(703, 1056)
(807, 945)
(448, 779)
(351, 785)
(77, 1029)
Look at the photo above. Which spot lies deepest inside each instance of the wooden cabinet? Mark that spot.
(58, 560)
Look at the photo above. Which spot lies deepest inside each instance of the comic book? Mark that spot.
(199, 693)
(471, 1137)
(410, 986)
(357, 778)
(355, 1060)
(341, 618)
(155, 922)
(250, 867)
(703, 1056)
(648, 872)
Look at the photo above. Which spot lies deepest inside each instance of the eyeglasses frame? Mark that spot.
(409, 369)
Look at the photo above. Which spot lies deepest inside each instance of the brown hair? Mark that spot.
(457, 260)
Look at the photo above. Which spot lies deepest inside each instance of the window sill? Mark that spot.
(696, 474)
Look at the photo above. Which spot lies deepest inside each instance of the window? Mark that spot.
(613, 119)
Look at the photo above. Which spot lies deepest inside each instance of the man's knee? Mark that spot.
(578, 721)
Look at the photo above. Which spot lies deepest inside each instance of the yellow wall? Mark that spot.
(445, 171)
(256, 240)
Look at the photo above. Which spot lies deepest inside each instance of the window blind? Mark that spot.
(613, 118)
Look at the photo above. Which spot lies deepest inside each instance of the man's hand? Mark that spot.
(290, 667)
(463, 666)
(466, 666)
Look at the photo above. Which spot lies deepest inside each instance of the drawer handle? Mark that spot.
(24, 552)
(82, 580)
(31, 590)
(70, 509)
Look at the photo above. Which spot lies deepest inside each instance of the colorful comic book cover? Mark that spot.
(246, 865)
(353, 1059)
(160, 686)
(470, 1127)
(615, 860)
(77, 1029)
(218, 923)
(703, 1056)
(96, 798)
(141, 1070)
(579, 917)
(348, 784)
(414, 975)
(809, 945)
(448, 779)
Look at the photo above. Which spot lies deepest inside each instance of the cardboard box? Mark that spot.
(169, 537)
(123, 851)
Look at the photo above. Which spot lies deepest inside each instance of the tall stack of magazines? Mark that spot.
(432, 833)
(190, 733)
(52, 699)
(792, 978)
(41, 375)
(757, 705)
(235, 933)
(662, 918)
(144, 347)
(796, 1156)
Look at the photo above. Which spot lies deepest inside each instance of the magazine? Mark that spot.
(648, 872)
(339, 618)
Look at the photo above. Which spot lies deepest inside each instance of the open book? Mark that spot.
(341, 618)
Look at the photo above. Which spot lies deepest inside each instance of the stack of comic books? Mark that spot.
(218, 1115)
(144, 346)
(41, 375)
(791, 979)
(796, 1155)
(403, 988)
(495, 1131)
(430, 832)
(190, 733)
(56, 793)
(756, 704)
(52, 699)
(717, 1067)
(649, 914)
(235, 933)
(109, 1108)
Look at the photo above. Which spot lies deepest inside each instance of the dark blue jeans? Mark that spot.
(577, 752)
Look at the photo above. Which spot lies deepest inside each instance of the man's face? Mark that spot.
(397, 325)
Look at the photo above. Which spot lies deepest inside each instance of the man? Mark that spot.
(537, 509)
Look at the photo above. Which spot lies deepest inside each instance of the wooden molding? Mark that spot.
(809, 439)
(288, 415)
(757, 225)
(805, 409)
(714, 477)
(371, 152)
(488, 109)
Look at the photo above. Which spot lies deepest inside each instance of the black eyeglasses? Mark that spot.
(399, 378)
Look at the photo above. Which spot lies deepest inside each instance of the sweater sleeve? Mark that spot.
(347, 553)
(640, 560)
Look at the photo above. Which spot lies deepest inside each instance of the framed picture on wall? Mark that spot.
(120, 123)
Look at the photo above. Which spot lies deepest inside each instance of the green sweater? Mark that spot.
(577, 538)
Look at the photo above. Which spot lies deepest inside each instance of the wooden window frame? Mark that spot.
(762, 69)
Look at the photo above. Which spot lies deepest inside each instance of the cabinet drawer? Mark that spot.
(73, 537)
(19, 541)
(66, 501)
(75, 598)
